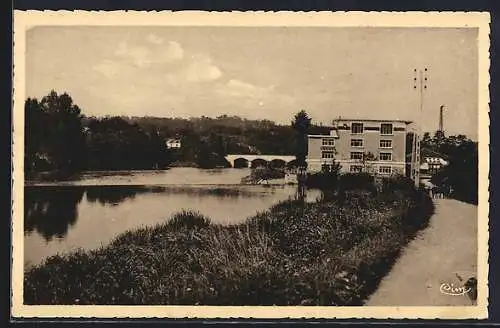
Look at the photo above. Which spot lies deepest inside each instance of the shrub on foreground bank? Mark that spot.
(296, 253)
(263, 173)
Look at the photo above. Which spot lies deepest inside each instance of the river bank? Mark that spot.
(62, 217)
(297, 253)
(170, 175)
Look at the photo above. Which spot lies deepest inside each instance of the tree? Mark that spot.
(332, 167)
(34, 120)
(426, 140)
(216, 143)
(301, 125)
(439, 138)
(115, 144)
(54, 133)
(461, 174)
(367, 162)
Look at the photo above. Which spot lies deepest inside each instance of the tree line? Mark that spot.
(58, 137)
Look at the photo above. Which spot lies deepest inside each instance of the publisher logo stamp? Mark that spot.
(453, 290)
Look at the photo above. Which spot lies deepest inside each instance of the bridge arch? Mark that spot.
(259, 162)
(241, 163)
(277, 163)
(291, 164)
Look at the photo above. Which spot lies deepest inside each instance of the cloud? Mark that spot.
(238, 88)
(196, 68)
(253, 101)
(154, 52)
(147, 72)
(201, 69)
(158, 57)
(174, 51)
(155, 74)
(153, 38)
(108, 68)
(139, 56)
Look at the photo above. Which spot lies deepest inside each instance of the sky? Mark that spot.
(260, 72)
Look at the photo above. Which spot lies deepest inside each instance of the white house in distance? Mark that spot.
(173, 143)
(431, 162)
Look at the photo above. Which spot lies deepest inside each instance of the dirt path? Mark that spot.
(443, 251)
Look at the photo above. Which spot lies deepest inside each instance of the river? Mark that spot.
(91, 210)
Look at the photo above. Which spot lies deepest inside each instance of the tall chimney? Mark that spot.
(441, 118)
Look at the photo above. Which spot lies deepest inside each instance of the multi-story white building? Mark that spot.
(375, 146)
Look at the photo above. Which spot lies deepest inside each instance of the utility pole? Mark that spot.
(420, 85)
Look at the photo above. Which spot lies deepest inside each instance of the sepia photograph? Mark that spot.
(250, 164)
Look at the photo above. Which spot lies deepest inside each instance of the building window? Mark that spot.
(357, 155)
(355, 168)
(357, 128)
(385, 156)
(325, 168)
(328, 142)
(434, 168)
(356, 142)
(327, 154)
(385, 143)
(386, 128)
(385, 169)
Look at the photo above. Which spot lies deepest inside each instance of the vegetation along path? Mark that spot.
(444, 253)
(333, 251)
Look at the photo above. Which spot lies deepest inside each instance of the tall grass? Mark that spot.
(296, 253)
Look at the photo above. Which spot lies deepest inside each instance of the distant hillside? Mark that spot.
(238, 135)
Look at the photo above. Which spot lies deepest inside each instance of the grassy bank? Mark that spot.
(322, 253)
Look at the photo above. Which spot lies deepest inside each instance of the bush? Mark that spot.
(188, 220)
(398, 183)
(264, 173)
(267, 173)
(322, 180)
(356, 181)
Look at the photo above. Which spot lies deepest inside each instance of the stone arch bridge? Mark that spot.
(239, 161)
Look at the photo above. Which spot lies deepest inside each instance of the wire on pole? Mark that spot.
(420, 84)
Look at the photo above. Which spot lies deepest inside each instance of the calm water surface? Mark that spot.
(90, 211)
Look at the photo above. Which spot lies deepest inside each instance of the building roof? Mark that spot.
(333, 133)
(428, 156)
(371, 120)
(435, 160)
(426, 152)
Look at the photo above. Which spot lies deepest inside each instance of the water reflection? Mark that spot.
(90, 213)
(112, 195)
(51, 211)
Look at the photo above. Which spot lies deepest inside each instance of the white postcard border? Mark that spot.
(23, 20)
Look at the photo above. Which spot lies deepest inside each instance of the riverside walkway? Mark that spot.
(444, 253)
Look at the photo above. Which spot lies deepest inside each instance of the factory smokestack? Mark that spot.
(441, 129)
